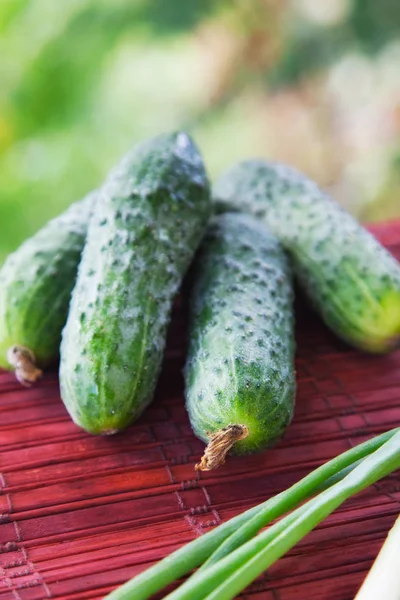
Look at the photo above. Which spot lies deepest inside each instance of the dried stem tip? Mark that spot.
(23, 361)
(219, 445)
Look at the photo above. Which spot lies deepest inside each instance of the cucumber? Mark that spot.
(239, 375)
(351, 280)
(36, 282)
(150, 220)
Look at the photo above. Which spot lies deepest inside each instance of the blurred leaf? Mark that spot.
(57, 84)
(170, 18)
(375, 24)
(369, 27)
(9, 10)
(309, 50)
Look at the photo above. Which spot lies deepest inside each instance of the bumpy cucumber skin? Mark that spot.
(351, 280)
(150, 220)
(36, 282)
(240, 367)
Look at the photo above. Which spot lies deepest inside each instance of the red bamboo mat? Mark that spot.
(81, 514)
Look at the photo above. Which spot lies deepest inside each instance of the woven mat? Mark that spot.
(81, 514)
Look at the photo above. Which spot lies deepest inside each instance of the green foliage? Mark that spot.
(374, 24)
(369, 26)
(83, 80)
(308, 50)
(179, 16)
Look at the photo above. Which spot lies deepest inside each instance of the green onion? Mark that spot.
(383, 580)
(242, 566)
(193, 554)
(251, 527)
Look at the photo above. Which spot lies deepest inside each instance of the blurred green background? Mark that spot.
(310, 82)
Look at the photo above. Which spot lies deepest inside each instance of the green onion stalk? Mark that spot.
(227, 539)
(239, 568)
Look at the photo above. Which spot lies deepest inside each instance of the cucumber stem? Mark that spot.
(24, 362)
(219, 445)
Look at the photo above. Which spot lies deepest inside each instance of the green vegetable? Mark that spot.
(252, 526)
(36, 282)
(193, 554)
(230, 575)
(350, 278)
(240, 381)
(153, 212)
